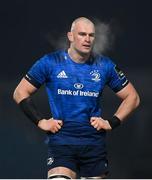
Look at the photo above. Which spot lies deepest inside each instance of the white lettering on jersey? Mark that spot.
(78, 93)
(64, 92)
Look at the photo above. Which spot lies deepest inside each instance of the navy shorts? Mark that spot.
(85, 160)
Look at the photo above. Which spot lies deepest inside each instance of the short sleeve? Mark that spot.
(116, 78)
(39, 72)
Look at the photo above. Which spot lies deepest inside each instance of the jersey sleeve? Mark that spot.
(116, 78)
(38, 73)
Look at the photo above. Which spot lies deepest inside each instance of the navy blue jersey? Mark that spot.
(74, 91)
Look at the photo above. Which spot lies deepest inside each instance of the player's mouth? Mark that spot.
(87, 46)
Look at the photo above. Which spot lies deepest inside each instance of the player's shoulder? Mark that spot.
(51, 58)
(56, 56)
(103, 60)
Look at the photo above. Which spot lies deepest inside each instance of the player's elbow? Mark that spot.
(17, 95)
(136, 100)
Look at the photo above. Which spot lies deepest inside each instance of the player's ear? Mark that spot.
(70, 36)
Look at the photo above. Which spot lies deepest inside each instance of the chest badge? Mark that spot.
(95, 75)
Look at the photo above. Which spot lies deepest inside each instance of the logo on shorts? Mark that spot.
(106, 164)
(50, 160)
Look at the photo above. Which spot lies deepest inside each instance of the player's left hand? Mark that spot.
(99, 123)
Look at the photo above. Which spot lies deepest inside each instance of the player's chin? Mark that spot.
(86, 50)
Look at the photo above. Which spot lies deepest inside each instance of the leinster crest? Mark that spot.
(95, 75)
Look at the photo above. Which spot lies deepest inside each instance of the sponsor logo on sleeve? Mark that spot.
(119, 72)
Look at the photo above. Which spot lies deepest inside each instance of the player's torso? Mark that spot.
(77, 80)
(74, 90)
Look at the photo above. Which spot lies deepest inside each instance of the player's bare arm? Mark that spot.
(130, 101)
(23, 91)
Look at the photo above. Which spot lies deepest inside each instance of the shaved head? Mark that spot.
(81, 37)
(82, 20)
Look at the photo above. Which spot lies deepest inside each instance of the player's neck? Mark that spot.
(77, 57)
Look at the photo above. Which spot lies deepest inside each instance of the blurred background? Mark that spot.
(31, 28)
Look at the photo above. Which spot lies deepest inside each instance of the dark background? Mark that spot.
(24, 29)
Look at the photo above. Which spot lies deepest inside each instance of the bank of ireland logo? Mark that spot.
(50, 160)
(78, 85)
(95, 75)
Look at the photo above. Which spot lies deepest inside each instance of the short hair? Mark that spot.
(84, 19)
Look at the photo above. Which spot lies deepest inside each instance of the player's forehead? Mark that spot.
(83, 25)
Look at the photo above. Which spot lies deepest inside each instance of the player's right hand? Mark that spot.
(52, 125)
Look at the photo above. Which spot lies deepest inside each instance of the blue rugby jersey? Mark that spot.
(73, 91)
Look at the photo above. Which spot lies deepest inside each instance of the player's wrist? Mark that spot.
(114, 122)
(41, 121)
(30, 110)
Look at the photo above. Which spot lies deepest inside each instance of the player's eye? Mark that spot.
(92, 35)
(82, 34)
